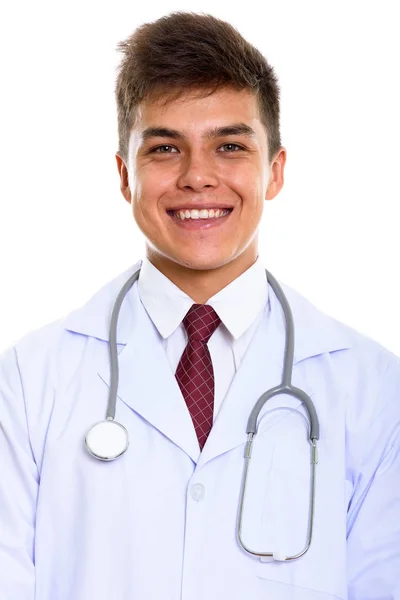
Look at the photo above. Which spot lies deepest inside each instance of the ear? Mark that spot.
(277, 174)
(123, 177)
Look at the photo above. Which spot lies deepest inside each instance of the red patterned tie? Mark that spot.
(195, 373)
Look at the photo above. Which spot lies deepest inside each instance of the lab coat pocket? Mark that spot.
(278, 520)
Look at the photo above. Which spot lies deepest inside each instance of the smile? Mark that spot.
(199, 218)
(200, 214)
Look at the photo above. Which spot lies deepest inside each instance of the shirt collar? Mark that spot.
(315, 332)
(237, 305)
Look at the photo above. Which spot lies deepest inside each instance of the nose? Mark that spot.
(197, 172)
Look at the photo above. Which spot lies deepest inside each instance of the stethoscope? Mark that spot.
(108, 440)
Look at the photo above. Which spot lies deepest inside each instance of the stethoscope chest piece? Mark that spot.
(107, 440)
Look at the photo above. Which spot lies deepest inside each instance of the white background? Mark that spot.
(332, 233)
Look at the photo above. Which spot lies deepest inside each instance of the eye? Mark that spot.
(230, 144)
(159, 151)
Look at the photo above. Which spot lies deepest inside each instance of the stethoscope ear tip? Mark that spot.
(275, 556)
(279, 556)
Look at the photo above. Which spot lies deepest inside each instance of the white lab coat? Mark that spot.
(159, 523)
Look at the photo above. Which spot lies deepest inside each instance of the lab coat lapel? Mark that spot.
(260, 370)
(148, 386)
(146, 381)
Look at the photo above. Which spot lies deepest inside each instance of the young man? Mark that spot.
(200, 337)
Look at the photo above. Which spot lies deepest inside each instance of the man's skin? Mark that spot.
(233, 171)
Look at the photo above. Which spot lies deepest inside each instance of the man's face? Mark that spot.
(182, 164)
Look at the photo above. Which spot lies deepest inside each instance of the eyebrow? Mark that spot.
(211, 134)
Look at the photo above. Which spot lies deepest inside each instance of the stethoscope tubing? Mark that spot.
(114, 367)
(285, 387)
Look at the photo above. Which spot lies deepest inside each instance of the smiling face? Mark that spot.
(192, 155)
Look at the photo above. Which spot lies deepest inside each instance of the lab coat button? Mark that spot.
(197, 491)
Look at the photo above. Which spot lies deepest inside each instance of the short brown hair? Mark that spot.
(183, 51)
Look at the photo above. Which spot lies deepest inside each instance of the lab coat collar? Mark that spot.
(315, 332)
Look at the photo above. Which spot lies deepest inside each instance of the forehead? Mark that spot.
(200, 109)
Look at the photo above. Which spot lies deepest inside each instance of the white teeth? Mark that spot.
(200, 214)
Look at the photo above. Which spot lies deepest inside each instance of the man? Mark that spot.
(200, 337)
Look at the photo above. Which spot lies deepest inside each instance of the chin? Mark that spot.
(193, 260)
(202, 264)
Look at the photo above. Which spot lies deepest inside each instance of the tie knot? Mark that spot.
(200, 322)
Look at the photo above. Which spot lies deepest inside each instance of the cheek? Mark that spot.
(150, 187)
(245, 179)
(145, 197)
(156, 175)
(147, 210)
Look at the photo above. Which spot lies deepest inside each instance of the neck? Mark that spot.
(200, 285)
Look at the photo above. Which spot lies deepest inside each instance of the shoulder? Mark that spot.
(319, 332)
(45, 344)
(366, 371)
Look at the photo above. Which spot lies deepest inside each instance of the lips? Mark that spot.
(202, 213)
(199, 207)
(199, 223)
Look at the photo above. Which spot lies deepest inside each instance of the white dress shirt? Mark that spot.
(239, 305)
